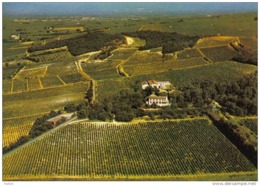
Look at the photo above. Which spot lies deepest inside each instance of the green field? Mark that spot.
(102, 150)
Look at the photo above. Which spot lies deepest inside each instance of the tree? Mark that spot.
(82, 113)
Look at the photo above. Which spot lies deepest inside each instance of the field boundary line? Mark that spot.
(22, 69)
(203, 56)
(27, 85)
(46, 68)
(61, 80)
(12, 86)
(40, 83)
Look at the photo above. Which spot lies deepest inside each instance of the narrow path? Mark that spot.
(61, 80)
(12, 86)
(40, 83)
(39, 137)
(27, 85)
(204, 57)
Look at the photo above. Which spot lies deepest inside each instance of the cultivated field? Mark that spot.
(14, 128)
(45, 100)
(107, 151)
(221, 53)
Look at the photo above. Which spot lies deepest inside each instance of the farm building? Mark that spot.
(157, 84)
(60, 118)
(158, 100)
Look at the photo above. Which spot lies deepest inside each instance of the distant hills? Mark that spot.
(121, 8)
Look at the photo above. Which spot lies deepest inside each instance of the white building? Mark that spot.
(158, 100)
(157, 84)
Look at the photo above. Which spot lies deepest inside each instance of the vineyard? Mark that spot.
(104, 74)
(188, 53)
(29, 73)
(135, 70)
(249, 42)
(110, 87)
(7, 84)
(61, 67)
(92, 150)
(10, 72)
(13, 129)
(34, 84)
(122, 54)
(144, 58)
(51, 81)
(19, 85)
(216, 72)
(34, 102)
(98, 66)
(72, 78)
(221, 53)
(52, 56)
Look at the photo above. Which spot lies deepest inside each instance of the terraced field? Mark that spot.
(107, 151)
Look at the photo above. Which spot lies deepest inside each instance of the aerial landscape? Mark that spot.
(129, 91)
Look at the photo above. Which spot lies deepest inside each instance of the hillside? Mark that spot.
(149, 98)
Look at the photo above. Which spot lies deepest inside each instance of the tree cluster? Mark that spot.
(245, 54)
(236, 97)
(170, 42)
(84, 43)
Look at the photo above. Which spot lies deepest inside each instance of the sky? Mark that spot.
(123, 8)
